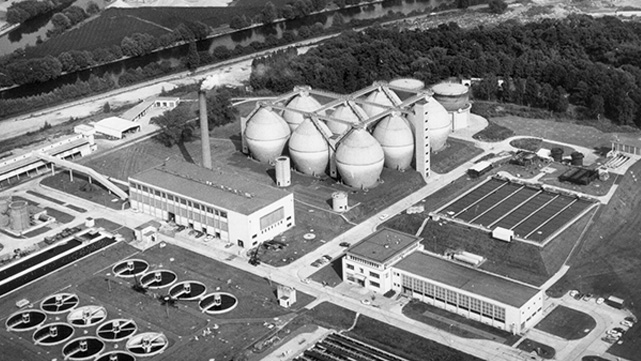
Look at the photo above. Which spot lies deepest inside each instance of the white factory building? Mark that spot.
(218, 202)
(391, 260)
(352, 137)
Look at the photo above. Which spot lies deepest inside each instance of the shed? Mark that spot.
(116, 127)
(479, 169)
(503, 234)
(615, 302)
(147, 231)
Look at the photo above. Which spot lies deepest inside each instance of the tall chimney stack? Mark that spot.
(204, 129)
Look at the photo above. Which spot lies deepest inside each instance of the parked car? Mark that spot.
(180, 228)
(631, 319)
(578, 296)
(573, 293)
(344, 244)
(600, 300)
(614, 333)
(587, 297)
(365, 301)
(627, 323)
(328, 258)
(609, 339)
(199, 234)
(208, 238)
(317, 263)
(191, 232)
(619, 330)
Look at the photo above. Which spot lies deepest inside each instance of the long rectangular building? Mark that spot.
(218, 202)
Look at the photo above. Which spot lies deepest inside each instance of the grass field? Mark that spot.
(403, 343)
(455, 153)
(80, 187)
(567, 323)
(540, 349)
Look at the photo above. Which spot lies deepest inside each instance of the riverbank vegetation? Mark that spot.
(21, 11)
(590, 63)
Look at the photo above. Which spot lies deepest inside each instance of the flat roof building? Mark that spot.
(116, 127)
(218, 202)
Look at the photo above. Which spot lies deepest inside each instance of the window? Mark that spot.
(375, 284)
(223, 214)
(350, 266)
(374, 274)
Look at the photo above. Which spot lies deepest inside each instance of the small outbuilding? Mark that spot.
(503, 234)
(116, 127)
(615, 302)
(479, 169)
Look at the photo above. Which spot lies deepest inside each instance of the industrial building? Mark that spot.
(627, 144)
(115, 127)
(351, 137)
(218, 202)
(390, 260)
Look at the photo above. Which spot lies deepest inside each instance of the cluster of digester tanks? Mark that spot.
(355, 135)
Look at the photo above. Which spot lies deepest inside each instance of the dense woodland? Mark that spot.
(594, 64)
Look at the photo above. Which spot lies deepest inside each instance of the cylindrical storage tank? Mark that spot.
(19, 215)
(452, 96)
(359, 159)
(283, 172)
(577, 158)
(557, 154)
(4, 204)
(303, 101)
(438, 123)
(408, 83)
(90, 222)
(395, 137)
(379, 96)
(266, 134)
(309, 149)
(339, 201)
(345, 113)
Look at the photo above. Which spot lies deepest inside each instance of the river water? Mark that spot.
(230, 41)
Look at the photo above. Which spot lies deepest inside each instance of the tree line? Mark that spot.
(21, 11)
(594, 64)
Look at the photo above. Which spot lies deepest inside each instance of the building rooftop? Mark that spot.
(218, 187)
(467, 279)
(383, 245)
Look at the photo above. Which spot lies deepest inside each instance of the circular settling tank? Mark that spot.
(158, 279)
(218, 302)
(25, 320)
(53, 334)
(130, 268)
(83, 348)
(59, 303)
(87, 316)
(187, 290)
(147, 344)
(116, 356)
(116, 330)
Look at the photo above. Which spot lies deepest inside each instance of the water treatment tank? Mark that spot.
(359, 159)
(395, 136)
(283, 172)
(266, 134)
(408, 83)
(339, 201)
(346, 113)
(438, 123)
(557, 154)
(19, 215)
(303, 101)
(577, 158)
(379, 96)
(453, 96)
(309, 149)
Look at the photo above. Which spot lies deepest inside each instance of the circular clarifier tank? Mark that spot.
(130, 268)
(158, 279)
(83, 348)
(25, 320)
(116, 330)
(187, 290)
(147, 344)
(218, 302)
(59, 303)
(116, 356)
(87, 316)
(53, 334)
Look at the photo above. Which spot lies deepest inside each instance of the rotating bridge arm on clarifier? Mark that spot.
(86, 170)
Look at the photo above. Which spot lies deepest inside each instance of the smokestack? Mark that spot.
(204, 129)
(207, 84)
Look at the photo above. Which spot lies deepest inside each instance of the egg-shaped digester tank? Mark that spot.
(266, 134)
(346, 113)
(379, 96)
(453, 96)
(359, 159)
(395, 136)
(439, 123)
(303, 101)
(309, 149)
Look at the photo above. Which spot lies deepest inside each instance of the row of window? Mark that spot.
(360, 260)
(453, 298)
(168, 198)
(178, 211)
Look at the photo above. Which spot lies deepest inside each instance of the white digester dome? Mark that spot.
(359, 159)
(308, 149)
(266, 134)
(379, 96)
(303, 101)
(394, 133)
(439, 123)
(345, 112)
